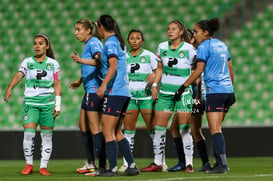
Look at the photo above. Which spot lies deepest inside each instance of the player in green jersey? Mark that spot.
(42, 100)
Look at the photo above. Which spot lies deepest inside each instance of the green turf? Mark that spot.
(250, 169)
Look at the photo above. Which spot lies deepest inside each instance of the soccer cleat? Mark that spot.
(151, 168)
(205, 167)
(164, 168)
(131, 171)
(107, 173)
(123, 168)
(87, 167)
(99, 171)
(218, 169)
(189, 169)
(27, 170)
(43, 171)
(178, 167)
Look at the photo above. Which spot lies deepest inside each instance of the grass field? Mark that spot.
(250, 169)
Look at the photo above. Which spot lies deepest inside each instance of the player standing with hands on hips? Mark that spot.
(213, 59)
(42, 100)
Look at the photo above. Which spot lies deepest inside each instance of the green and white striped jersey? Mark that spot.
(138, 68)
(39, 86)
(176, 65)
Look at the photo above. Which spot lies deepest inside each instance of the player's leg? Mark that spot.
(200, 141)
(47, 123)
(30, 120)
(178, 145)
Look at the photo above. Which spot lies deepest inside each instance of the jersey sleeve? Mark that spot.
(23, 67)
(112, 49)
(95, 48)
(57, 71)
(154, 60)
(202, 54)
(158, 53)
(192, 55)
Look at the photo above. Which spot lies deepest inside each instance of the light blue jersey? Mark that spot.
(119, 85)
(89, 78)
(215, 54)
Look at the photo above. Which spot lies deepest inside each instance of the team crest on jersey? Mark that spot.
(182, 54)
(142, 59)
(26, 117)
(49, 67)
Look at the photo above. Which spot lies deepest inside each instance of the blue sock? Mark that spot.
(203, 151)
(88, 144)
(125, 150)
(178, 144)
(219, 149)
(99, 143)
(112, 153)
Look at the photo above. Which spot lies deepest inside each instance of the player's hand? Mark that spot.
(75, 57)
(7, 96)
(101, 91)
(55, 113)
(179, 92)
(154, 93)
(75, 84)
(150, 78)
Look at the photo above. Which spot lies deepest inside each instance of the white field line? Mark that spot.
(207, 177)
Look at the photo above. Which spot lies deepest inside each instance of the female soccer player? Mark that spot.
(214, 59)
(174, 67)
(141, 64)
(196, 123)
(115, 92)
(42, 100)
(91, 103)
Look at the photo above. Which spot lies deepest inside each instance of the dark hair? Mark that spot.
(211, 25)
(190, 33)
(184, 36)
(49, 51)
(88, 24)
(109, 24)
(135, 31)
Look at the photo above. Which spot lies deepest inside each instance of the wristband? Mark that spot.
(58, 103)
(154, 84)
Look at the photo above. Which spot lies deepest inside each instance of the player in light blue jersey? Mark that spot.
(42, 100)
(91, 103)
(214, 59)
(115, 92)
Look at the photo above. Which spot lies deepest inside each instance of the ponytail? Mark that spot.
(118, 34)
(110, 24)
(211, 25)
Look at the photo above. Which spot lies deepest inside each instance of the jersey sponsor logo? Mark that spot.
(40, 74)
(163, 54)
(134, 67)
(30, 66)
(172, 61)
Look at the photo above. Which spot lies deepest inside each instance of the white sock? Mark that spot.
(46, 148)
(159, 143)
(187, 144)
(28, 145)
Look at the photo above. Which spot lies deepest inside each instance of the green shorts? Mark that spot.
(166, 103)
(141, 104)
(41, 115)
